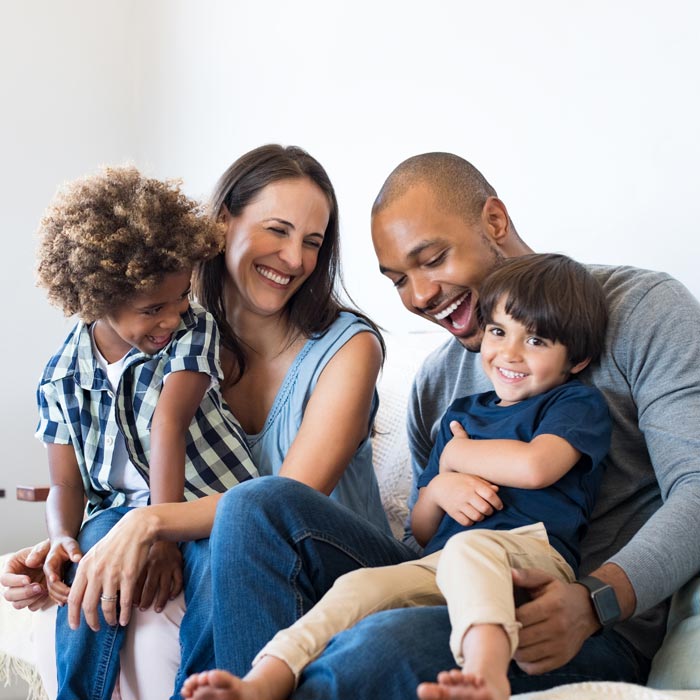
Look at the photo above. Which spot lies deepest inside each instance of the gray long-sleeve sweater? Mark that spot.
(647, 516)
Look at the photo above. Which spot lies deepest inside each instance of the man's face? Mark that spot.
(436, 260)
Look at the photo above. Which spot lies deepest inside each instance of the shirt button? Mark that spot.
(109, 441)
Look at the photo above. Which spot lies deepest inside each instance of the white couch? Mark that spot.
(671, 669)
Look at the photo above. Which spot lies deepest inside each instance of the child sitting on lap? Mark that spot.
(130, 406)
(537, 440)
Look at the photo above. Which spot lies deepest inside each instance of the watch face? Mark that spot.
(606, 605)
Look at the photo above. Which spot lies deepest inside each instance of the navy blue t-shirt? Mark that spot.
(573, 411)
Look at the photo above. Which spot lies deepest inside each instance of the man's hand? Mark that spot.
(23, 578)
(466, 498)
(161, 580)
(556, 621)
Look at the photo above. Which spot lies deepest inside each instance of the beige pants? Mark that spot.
(471, 574)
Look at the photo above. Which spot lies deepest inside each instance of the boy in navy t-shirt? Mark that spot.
(511, 483)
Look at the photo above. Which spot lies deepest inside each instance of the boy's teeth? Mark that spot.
(511, 375)
(450, 309)
(280, 279)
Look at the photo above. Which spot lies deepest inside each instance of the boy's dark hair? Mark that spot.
(112, 236)
(554, 297)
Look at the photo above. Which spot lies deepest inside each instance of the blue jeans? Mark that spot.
(87, 662)
(276, 548)
(389, 653)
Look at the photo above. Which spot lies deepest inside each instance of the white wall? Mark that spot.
(583, 116)
(66, 76)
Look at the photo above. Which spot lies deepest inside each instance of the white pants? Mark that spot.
(472, 574)
(144, 675)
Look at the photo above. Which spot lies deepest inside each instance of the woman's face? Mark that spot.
(272, 246)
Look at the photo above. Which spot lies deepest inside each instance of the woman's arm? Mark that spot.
(336, 419)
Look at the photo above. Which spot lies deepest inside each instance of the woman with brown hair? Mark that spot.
(300, 372)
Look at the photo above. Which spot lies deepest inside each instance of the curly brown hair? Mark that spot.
(115, 235)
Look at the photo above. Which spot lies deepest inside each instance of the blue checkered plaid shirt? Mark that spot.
(78, 407)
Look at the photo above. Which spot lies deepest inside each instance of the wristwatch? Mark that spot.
(604, 601)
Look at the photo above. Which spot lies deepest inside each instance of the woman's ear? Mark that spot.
(224, 215)
(580, 366)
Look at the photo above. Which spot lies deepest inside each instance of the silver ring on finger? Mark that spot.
(109, 598)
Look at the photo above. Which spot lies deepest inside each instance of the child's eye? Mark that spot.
(493, 330)
(536, 341)
(153, 312)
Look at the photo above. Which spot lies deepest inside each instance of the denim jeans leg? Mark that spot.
(604, 657)
(87, 662)
(386, 655)
(196, 630)
(389, 653)
(277, 546)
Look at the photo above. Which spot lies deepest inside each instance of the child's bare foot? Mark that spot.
(216, 685)
(269, 679)
(459, 685)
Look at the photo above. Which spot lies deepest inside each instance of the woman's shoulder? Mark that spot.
(352, 322)
(350, 333)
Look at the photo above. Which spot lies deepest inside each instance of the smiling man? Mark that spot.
(438, 228)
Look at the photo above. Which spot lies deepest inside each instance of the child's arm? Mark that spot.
(527, 465)
(464, 497)
(64, 515)
(177, 404)
(181, 396)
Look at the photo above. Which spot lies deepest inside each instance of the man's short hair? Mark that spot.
(458, 186)
(553, 296)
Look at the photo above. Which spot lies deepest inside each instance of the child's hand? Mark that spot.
(161, 579)
(449, 453)
(63, 550)
(464, 497)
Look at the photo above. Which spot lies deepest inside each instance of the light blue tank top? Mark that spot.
(357, 488)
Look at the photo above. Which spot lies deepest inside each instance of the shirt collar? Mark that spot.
(85, 369)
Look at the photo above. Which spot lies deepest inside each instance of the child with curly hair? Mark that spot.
(130, 406)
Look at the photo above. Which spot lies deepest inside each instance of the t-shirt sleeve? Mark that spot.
(580, 416)
(52, 425)
(197, 349)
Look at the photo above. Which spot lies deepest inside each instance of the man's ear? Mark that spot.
(495, 220)
(580, 366)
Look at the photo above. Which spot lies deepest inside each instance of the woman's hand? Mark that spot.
(63, 550)
(23, 578)
(109, 572)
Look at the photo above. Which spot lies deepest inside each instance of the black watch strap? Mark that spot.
(604, 600)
